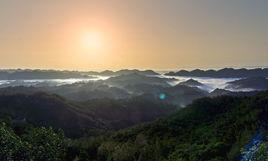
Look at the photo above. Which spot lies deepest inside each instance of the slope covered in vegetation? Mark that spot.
(74, 118)
(209, 129)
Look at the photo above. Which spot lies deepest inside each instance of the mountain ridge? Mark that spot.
(222, 73)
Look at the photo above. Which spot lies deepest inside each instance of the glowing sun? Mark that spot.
(92, 41)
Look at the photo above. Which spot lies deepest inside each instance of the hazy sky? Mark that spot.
(115, 34)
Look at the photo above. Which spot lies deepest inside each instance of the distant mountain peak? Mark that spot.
(191, 82)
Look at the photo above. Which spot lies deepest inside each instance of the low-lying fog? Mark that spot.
(49, 82)
(209, 84)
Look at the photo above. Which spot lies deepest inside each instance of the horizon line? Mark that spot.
(142, 69)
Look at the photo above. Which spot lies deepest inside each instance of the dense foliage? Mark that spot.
(42, 109)
(209, 129)
(40, 144)
(261, 152)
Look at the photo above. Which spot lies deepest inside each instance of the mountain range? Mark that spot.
(223, 73)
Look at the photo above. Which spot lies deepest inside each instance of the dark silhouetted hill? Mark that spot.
(209, 129)
(40, 74)
(223, 92)
(255, 83)
(73, 117)
(127, 71)
(223, 73)
(191, 83)
(136, 78)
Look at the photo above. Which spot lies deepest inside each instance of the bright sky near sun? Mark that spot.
(115, 34)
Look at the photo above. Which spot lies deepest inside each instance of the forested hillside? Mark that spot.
(42, 109)
(209, 129)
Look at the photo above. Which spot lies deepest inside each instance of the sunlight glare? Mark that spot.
(92, 41)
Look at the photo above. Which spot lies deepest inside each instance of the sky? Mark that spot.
(142, 34)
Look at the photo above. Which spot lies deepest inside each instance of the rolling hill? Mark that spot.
(209, 129)
(44, 109)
